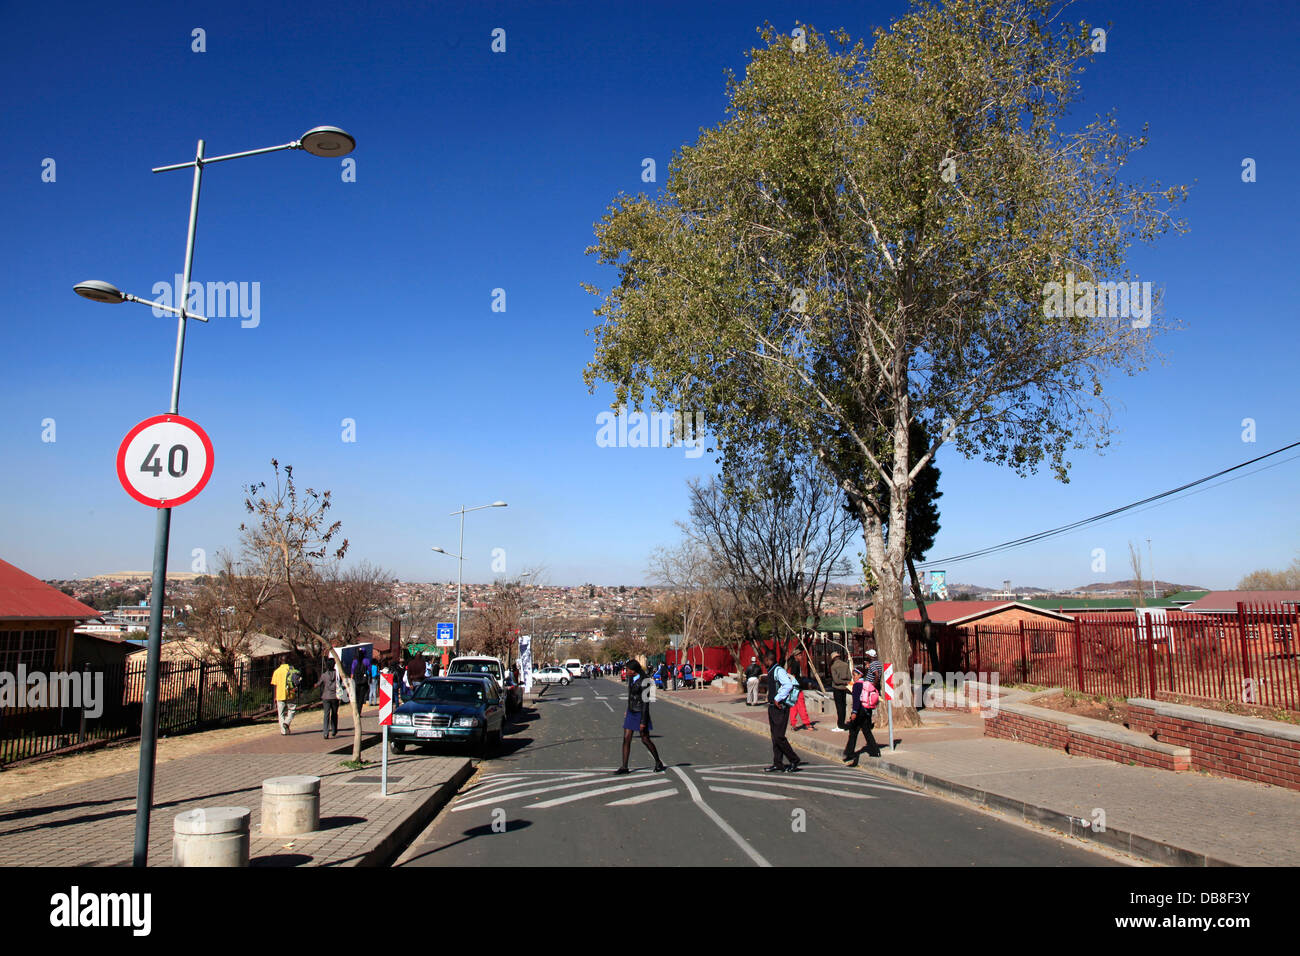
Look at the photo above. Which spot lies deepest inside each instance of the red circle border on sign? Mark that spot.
(159, 502)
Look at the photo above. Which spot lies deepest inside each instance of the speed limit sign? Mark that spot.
(164, 461)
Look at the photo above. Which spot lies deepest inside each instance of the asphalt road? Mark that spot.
(551, 799)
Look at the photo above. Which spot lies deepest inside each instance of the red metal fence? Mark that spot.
(1252, 657)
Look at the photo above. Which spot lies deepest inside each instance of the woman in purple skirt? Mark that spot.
(639, 689)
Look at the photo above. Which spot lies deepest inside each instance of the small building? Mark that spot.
(1225, 602)
(36, 622)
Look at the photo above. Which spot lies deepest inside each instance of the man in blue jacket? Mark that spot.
(781, 689)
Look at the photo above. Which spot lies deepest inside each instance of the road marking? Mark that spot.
(750, 793)
(606, 703)
(642, 798)
(795, 786)
(505, 785)
(545, 804)
(847, 780)
(500, 797)
(722, 824)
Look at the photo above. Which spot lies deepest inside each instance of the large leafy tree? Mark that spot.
(866, 240)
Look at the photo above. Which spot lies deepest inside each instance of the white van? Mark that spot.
(573, 666)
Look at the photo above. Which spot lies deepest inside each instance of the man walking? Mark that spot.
(841, 676)
(752, 674)
(328, 682)
(285, 681)
(780, 688)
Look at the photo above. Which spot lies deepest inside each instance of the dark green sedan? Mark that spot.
(463, 709)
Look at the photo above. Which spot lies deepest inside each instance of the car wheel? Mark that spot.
(397, 747)
(564, 682)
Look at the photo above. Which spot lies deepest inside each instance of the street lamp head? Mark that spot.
(440, 551)
(98, 291)
(327, 141)
(498, 504)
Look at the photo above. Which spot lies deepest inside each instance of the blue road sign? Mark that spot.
(446, 635)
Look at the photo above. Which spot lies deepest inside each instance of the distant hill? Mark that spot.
(1161, 586)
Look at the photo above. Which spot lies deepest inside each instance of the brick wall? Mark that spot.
(1082, 745)
(1026, 729)
(1244, 748)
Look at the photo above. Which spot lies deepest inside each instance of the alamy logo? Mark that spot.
(1098, 300)
(74, 909)
(220, 300)
(955, 689)
(653, 430)
(77, 690)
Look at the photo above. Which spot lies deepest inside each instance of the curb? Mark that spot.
(1147, 848)
(395, 841)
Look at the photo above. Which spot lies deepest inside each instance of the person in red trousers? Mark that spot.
(799, 710)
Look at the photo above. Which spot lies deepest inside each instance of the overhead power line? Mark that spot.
(1084, 522)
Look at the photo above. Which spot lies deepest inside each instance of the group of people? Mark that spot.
(363, 669)
(672, 676)
(860, 685)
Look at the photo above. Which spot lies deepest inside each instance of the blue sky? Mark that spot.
(477, 171)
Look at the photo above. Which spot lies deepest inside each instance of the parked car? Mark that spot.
(465, 709)
(573, 666)
(476, 664)
(552, 675)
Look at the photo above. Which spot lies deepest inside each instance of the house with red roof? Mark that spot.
(36, 623)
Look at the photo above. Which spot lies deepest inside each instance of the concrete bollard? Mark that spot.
(290, 805)
(211, 836)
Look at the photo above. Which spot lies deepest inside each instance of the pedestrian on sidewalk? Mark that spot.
(780, 687)
(866, 695)
(361, 679)
(841, 678)
(688, 676)
(328, 682)
(799, 708)
(284, 681)
(374, 681)
(752, 674)
(638, 715)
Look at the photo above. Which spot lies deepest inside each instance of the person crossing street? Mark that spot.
(781, 690)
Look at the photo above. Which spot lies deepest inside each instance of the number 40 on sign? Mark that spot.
(164, 461)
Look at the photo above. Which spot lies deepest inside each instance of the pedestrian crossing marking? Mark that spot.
(751, 793)
(784, 785)
(573, 797)
(643, 798)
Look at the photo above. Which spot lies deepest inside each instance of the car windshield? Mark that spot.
(452, 692)
(474, 667)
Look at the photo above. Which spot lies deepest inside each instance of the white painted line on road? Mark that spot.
(723, 825)
(590, 793)
(606, 703)
(750, 793)
(847, 780)
(505, 785)
(500, 797)
(642, 798)
(795, 786)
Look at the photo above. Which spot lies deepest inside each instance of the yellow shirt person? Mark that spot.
(285, 692)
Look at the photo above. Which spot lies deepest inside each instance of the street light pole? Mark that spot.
(1151, 564)
(320, 141)
(460, 557)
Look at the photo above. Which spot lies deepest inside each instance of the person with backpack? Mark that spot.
(285, 681)
(374, 680)
(782, 691)
(361, 675)
(329, 698)
(688, 676)
(638, 716)
(799, 709)
(866, 697)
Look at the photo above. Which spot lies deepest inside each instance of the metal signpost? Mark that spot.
(385, 721)
(887, 682)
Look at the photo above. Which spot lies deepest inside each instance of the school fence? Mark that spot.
(191, 695)
(1250, 657)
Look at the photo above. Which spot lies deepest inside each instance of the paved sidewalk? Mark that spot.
(1181, 819)
(93, 824)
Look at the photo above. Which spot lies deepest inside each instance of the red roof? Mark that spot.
(1226, 601)
(23, 597)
